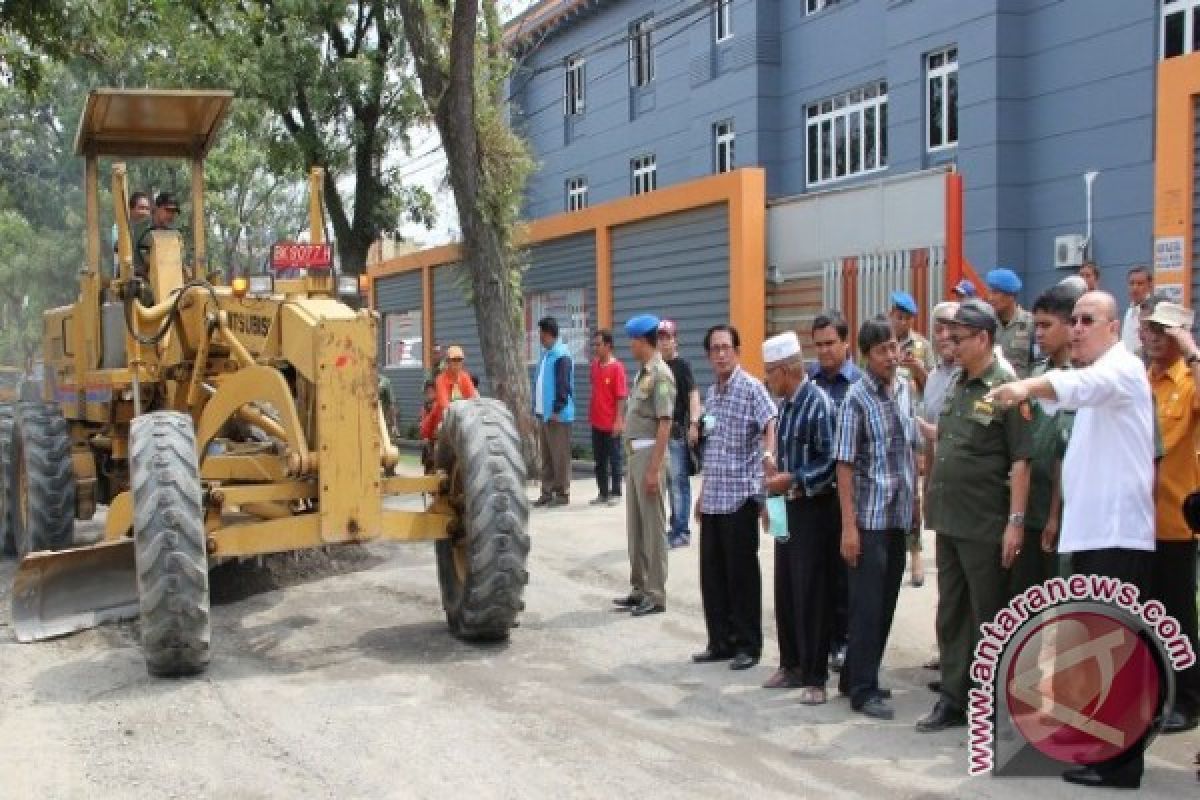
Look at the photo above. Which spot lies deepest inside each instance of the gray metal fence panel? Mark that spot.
(454, 319)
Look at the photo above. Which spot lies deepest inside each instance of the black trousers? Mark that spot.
(804, 587)
(1173, 583)
(1130, 566)
(730, 581)
(874, 587)
(841, 603)
(606, 452)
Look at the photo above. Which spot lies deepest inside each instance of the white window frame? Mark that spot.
(723, 146)
(577, 193)
(643, 174)
(722, 20)
(641, 52)
(573, 91)
(836, 118)
(1190, 9)
(935, 75)
(817, 6)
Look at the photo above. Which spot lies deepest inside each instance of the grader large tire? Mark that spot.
(481, 568)
(169, 546)
(42, 482)
(8, 544)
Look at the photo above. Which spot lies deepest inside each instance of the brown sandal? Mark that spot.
(813, 696)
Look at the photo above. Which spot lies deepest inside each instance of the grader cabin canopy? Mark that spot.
(151, 123)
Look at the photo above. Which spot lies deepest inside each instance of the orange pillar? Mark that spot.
(954, 231)
(604, 297)
(920, 287)
(850, 297)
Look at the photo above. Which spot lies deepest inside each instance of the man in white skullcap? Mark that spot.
(804, 564)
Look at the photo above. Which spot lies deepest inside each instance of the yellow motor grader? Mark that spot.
(222, 422)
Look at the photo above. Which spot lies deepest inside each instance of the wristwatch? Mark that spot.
(1016, 519)
(1192, 359)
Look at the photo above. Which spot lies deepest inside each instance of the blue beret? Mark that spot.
(904, 301)
(1003, 279)
(641, 325)
(965, 288)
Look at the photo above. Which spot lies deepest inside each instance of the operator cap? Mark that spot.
(453, 352)
(1003, 279)
(641, 325)
(166, 200)
(904, 301)
(975, 313)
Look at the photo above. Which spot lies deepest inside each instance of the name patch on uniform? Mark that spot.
(984, 407)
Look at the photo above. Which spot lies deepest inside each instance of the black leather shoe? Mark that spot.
(883, 693)
(647, 606)
(943, 717)
(1178, 722)
(935, 687)
(877, 708)
(709, 656)
(543, 500)
(628, 601)
(1088, 776)
(743, 661)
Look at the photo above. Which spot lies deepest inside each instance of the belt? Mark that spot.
(798, 495)
(640, 444)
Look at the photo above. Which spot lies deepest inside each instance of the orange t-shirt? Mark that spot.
(447, 391)
(1177, 406)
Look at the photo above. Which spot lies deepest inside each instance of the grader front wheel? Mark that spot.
(39, 480)
(168, 532)
(481, 568)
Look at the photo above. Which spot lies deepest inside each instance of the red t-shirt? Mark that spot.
(608, 386)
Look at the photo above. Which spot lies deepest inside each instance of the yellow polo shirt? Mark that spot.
(1177, 405)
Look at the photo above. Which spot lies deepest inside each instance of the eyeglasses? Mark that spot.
(1086, 320)
(720, 348)
(959, 338)
(454, 360)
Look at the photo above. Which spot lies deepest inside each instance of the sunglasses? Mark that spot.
(1086, 320)
(453, 360)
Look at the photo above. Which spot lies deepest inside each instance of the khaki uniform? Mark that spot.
(1016, 340)
(923, 351)
(651, 399)
(968, 507)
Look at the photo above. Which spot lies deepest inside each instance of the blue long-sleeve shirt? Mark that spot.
(805, 439)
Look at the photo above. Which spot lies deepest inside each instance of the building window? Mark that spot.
(641, 52)
(644, 174)
(573, 87)
(1180, 31)
(813, 6)
(403, 346)
(941, 98)
(847, 134)
(577, 199)
(723, 146)
(722, 19)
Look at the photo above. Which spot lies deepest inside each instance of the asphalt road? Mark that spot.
(343, 682)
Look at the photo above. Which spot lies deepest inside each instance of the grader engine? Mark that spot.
(224, 422)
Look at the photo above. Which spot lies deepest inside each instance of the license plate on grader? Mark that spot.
(223, 422)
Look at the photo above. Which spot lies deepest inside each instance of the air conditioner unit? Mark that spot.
(1068, 250)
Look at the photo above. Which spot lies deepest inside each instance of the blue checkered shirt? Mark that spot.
(805, 439)
(877, 434)
(733, 468)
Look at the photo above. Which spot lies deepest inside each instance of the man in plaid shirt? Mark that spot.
(877, 480)
(731, 496)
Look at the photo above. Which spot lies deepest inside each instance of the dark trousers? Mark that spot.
(555, 440)
(841, 603)
(606, 452)
(804, 587)
(874, 586)
(972, 588)
(1173, 583)
(1130, 566)
(730, 581)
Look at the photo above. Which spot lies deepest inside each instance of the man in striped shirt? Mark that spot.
(804, 564)
(875, 449)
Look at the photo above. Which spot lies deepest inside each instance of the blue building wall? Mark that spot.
(1048, 89)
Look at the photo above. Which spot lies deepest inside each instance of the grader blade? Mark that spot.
(60, 592)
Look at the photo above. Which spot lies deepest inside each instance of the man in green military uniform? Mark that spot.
(164, 217)
(1039, 553)
(1015, 334)
(648, 412)
(981, 451)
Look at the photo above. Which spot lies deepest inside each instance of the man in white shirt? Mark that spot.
(1108, 518)
(1141, 283)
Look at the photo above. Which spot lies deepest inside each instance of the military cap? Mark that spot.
(904, 301)
(641, 325)
(965, 288)
(974, 313)
(1003, 279)
(166, 200)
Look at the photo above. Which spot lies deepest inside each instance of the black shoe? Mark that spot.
(876, 708)
(943, 717)
(709, 656)
(1178, 722)
(628, 601)
(560, 500)
(743, 661)
(543, 500)
(647, 606)
(837, 659)
(885, 694)
(599, 500)
(935, 687)
(1090, 777)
